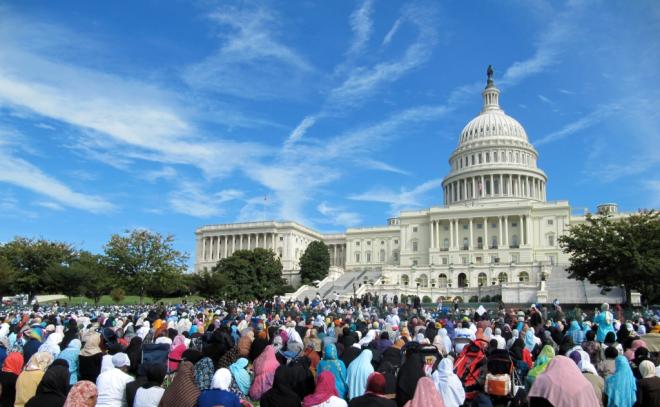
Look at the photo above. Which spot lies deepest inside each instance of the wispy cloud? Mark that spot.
(591, 119)
(250, 63)
(163, 173)
(380, 165)
(402, 199)
(546, 100)
(392, 32)
(50, 205)
(23, 174)
(338, 215)
(300, 130)
(362, 27)
(191, 199)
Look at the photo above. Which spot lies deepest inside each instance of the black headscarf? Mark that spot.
(134, 352)
(517, 349)
(386, 369)
(411, 371)
(52, 389)
(281, 394)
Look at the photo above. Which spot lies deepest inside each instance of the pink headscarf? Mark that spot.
(174, 357)
(264, 371)
(325, 388)
(178, 340)
(426, 395)
(563, 385)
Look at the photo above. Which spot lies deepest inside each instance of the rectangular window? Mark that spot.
(464, 259)
(465, 227)
(368, 243)
(480, 160)
(281, 238)
(357, 257)
(368, 255)
(493, 225)
(551, 222)
(414, 262)
(480, 226)
(472, 159)
(514, 224)
(357, 243)
(396, 241)
(382, 242)
(414, 246)
(478, 260)
(487, 157)
(414, 229)
(514, 258)
(446, 227)
(445, 260)
(551, 240)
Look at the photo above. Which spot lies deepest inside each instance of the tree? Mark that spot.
(250, 274)
(96, 278)
(117, 294)
(315, 262)
(164, 283)
(139, 256)
(209, 284)
(7, 277)
(617, 252)
(31, 259)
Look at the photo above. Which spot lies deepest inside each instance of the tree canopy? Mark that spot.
(617, 252)
(248, 275)
(145, 261)
(315, 262)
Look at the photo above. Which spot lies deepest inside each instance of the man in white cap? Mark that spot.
(111, 384)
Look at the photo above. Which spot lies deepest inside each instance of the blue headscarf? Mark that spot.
(335, 366)
(203, 373)
(70, 354)
(241, 376)
(621, 386)
(576, 333)
(529, 340)
(358, 372)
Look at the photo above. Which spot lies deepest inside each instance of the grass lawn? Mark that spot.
(128, 300)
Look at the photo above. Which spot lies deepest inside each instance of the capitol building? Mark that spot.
(494, 234)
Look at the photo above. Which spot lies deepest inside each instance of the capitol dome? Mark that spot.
(494, 159)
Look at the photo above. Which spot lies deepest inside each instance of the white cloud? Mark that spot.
(546, 100)
(379, 165)
(191, 199)
(393, 30)
(362, 27)
(21, 173)
(163, 173)
(599, 114)
(402, 199)
(300, 130)
(251, 63)
(50, 205)
(338, 215)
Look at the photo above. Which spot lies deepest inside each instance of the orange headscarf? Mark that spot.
(13, 363)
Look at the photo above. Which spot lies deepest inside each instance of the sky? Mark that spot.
(172, 115)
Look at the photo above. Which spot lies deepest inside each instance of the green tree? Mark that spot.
(209, 284)
(7, 277)
(621, 252)
(315, 262)
(117, 294)
(31, 260)
(164, 283)
(250, 274)
(140, 256)
(96, 278)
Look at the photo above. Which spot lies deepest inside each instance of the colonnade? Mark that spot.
(214, 248)
(494, 186)
(505, 239)
(337, 254)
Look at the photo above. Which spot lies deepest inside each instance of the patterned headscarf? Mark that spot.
(80, 394)
(204, 371)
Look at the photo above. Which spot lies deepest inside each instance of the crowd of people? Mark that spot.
(324, 353)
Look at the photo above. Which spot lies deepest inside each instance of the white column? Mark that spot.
(432, 234)
(510, 186)
(226, 244)
(486, 232)
(528, 226)
(451, 233)
(500, 242)
(465, 189)
(471, 242)
(506, 232)
(501, 185)
(203, 256)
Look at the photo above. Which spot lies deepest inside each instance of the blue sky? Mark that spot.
(172, 115)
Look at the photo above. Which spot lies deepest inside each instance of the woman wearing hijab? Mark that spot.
(204, 372)
(281, 394)
(374, 396)
(542, 361)
(219, 394)
(264, 372)
(183, 392)
(325, 394)
(29, 379)
(332, 364)
(52, 344)
(589, 372)
(448, 384)
(82, 394)
(71, 354)
(530, 341)
(515, 334)
(562, 385)
(576, 333)
(389, 372)
(636, 344)
(245, 342)
(174, 357)
(426, 395)
(610, 340)
(241, 377)
(90, 358)
(150, 392)
(648, 387)
(258, 345)
(52, 389)
(11, 368)
(358, 372)
(621, 387)
(409, 374)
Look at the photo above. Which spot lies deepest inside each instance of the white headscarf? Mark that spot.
(52, 344)
(221, 379)
(585, 364)
(448, 384)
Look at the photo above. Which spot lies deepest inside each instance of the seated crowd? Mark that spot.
(323, 353)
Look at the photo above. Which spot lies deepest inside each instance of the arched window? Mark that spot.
(551, 239)
(462, 280)
(405, 280)
(423, 280)
(442, 280)
(482, 280)
(502, 278)
(523, 277)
